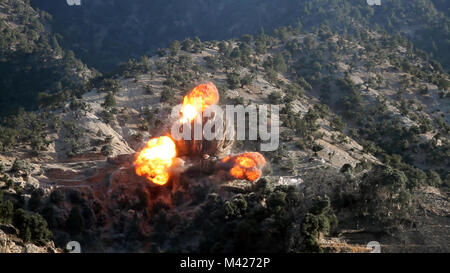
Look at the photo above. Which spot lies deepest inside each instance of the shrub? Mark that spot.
(233, 80)
(175, 47)
(434, 179)
(320, 219)
(32, 227)
(18, 165)
(275, 97)
(107, 150)
(110, 100)
(6, 211)
(167, 94)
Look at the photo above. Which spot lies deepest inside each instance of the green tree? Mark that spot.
(174, 48)
(167, 94)
(434, 179)
(260, 46)
(384, 194)
(247, 38)
(443, 84)
(32, 227)
(247, 80)
(107, 150)
(161, 52)
(18, 165)
(110, 100)
(6, 210)
(187, 44)
(337, 123)
(282, 34)
(233, 80)
(319, 219)
(275, 97)
(279, 64)
(198, 45)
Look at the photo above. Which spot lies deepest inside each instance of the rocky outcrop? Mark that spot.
(9, 243)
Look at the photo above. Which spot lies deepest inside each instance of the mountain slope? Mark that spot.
(129, 29)
(31, 60)
(348, 105)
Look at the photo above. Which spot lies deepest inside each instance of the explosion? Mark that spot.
(160, 154)
(246, 166)
(155, 159)
(200, 98)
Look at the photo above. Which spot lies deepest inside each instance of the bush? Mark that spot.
(317, 148)
(337, 124)
(167, 94)
(107, 150)
(276, 201)
(233, 80)
(6, 210)
(320, 219)
(32, 227)
(107, 116)
(175, 47)
(18, 165)
(187, 44)
(279, 64)
(384, 189)
(275, 97)
(246, 80)
(110, 100)
(236, 207)
(434, 179)
(149, 89)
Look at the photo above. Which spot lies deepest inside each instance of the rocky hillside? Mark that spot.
(363, 154)
(32, 63)
(9, 243)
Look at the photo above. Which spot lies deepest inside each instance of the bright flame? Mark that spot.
(200, 98)
(155, 159)
(245, 166)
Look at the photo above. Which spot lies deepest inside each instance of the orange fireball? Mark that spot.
(155, 159)
(245, 166)
(200, 98)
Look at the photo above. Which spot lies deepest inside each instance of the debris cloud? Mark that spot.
(158, 159)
